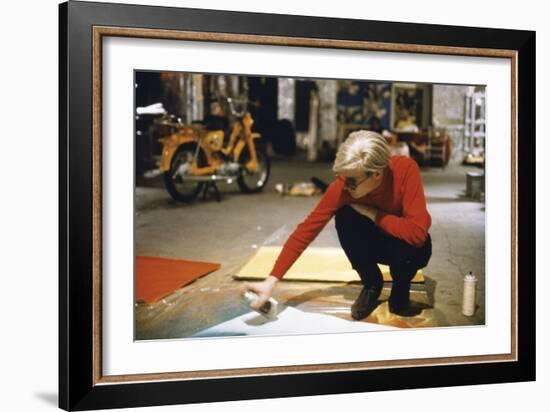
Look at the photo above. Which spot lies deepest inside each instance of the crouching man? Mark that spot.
(381, 217)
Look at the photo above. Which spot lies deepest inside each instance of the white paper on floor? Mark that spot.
(289, 321)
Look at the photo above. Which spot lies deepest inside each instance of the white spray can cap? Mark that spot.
(268, 309)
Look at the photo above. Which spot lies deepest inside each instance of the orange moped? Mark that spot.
(194, 156)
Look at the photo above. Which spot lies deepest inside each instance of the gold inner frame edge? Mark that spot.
(100, 31)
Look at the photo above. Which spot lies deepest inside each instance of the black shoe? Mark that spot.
(365, 303)
(406, 310)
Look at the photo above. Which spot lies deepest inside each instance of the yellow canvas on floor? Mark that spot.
(322, 264)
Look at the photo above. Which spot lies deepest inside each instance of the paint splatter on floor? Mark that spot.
(191, 311)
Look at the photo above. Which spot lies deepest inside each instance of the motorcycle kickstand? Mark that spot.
(214, 187)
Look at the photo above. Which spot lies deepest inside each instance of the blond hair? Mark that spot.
(363, 150)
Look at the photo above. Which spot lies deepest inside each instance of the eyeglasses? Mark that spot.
(352, 182)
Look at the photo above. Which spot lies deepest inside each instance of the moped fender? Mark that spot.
(170, 145)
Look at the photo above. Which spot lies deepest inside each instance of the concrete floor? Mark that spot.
(228, 232)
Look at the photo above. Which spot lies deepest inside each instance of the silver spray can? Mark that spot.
(469, 295)
(268, 309)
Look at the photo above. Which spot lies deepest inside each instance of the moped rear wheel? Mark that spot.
(253, 181)
(178, 187)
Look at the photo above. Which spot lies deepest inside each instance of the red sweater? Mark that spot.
(401, 211)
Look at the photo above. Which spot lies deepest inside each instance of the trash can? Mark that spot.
(475, 184)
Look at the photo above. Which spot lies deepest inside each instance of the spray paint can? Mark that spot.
(268, 309)
(469, 295)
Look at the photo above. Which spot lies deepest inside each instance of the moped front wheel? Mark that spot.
(180, 188)
(253, 181)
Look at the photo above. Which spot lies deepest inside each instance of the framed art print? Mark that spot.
(197, 145)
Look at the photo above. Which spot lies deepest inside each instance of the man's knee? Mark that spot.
(348, 215)
(344, 216)
(347, 218)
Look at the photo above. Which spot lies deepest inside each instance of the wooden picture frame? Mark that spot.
(82, 385)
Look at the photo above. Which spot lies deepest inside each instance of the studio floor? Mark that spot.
(230, 232)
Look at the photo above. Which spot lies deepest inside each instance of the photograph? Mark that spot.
(263, 206)
(280, 205)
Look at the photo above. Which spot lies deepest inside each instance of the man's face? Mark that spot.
(359, 184)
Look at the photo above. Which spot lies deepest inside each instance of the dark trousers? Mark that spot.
(366, 245)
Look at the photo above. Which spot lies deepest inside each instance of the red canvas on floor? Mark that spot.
(157, 277)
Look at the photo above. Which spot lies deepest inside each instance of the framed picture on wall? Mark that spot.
(173, 163)
(411, 106)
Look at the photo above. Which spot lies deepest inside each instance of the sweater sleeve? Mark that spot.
(413, 224)
(308, 230)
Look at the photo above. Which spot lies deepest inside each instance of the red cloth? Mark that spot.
(157, 277)
(399, 199)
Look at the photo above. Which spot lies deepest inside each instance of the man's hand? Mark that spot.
(365, 210)
(262, 289)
